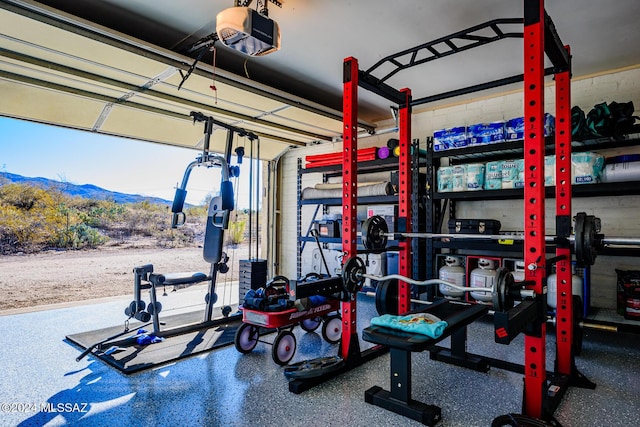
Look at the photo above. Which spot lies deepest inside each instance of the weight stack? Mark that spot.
(253, 275)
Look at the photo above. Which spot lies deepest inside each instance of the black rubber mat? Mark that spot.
(184, 335)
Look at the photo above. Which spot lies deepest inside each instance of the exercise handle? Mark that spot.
(178, 219)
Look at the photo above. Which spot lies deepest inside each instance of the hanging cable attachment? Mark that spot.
(213, 84)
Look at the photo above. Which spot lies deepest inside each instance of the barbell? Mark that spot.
(586, 239)
(504, 292)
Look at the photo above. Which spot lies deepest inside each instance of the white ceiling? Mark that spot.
(318, 35)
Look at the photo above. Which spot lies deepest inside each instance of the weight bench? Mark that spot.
(146, 279)
(458, 315)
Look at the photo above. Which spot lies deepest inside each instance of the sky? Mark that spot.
(113, 163)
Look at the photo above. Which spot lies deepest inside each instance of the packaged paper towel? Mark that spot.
(445, 179)
(459, 177)
(475, 176)
(513, 173)
(549, 171)
(586, 168)
(493, 175)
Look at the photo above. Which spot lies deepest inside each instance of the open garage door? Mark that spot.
(61, 70)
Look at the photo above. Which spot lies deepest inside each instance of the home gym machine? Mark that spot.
(217, 222)
(541, 393)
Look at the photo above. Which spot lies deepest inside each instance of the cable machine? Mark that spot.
(217, 222)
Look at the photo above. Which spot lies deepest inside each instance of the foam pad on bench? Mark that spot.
(177, 278)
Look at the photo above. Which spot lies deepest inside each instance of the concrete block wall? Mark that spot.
(618, 214)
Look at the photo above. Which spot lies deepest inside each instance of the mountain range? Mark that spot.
(88, 191)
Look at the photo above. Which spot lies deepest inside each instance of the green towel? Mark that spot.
(419, 323)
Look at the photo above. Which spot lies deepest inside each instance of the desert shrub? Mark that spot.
(236, 231)
(146, 219)
(30, 218)
(100, 213)
(33, 219)
(80, 236)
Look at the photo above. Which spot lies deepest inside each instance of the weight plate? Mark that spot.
(374, 233)
(246, 338)
(314, 368)
(143, 316)
(497, 295)
(332, 329)
(352, 271)
(154, 308)
(579, 239)
(588, 240)
(387, 297)
(501, 296)
(207, 298)
(311, 324)
(284, 347)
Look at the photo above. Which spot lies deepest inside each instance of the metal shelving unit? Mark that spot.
(513, 149)
(367, 167)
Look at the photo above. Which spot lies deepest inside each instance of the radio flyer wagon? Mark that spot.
(284, 345)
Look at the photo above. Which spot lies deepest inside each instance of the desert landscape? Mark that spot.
(28, 281)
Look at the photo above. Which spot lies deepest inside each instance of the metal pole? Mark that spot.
(534, 202)
(564, 295)
(605, 241)
(350, 344)
(404, 199)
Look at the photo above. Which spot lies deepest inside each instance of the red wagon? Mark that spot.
(284, 345)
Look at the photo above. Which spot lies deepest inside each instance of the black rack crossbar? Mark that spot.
(432, 53)
(372, 84)
(553, 46)
(199, 117)
(476, 88)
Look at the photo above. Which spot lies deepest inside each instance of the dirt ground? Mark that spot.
(64, 276)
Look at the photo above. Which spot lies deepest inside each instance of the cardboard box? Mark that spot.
(388, 212)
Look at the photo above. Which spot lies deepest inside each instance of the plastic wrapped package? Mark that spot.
(622, 168)
(549, 171)
(475, 176)
(445, 179)
(459, 178)
(586, 168)
(485, 133)
(493, 175)
(450, 138)
(513, 173)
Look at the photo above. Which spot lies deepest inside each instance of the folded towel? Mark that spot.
(419, 323)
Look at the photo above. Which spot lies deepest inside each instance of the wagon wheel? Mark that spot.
(246, 338)
(284, 347)
(332, 329)
(310, 324)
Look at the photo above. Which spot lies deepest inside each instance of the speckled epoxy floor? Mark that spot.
(226, 388)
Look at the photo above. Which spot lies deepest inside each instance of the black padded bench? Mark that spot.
(401, 344)
(178, 279)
